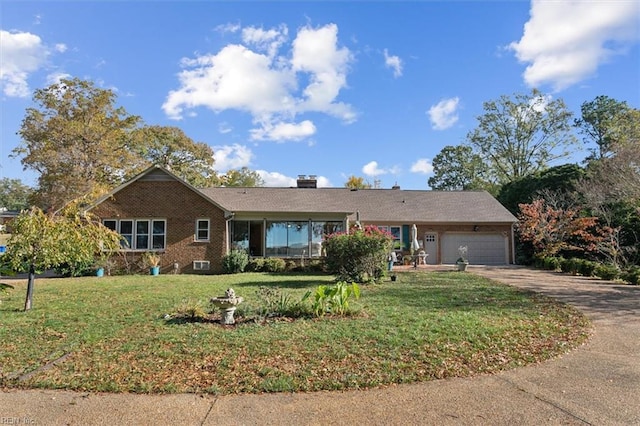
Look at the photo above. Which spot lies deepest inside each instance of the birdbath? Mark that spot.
(227, 305)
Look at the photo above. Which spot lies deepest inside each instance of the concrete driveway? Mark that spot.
(596, 384)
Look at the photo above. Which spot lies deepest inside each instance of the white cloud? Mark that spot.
(266, 85)
(234, 78)
(234, 156)
(276, 179)
(60, 47)
(423, 166)
(315, 52)
(22, 54)
(56, 77)
(393, 62)
(564, 42)
(266, 40)
(228, 28)
(224, 128)
(444, 114)
(372, 169)
(284, 131)
(323, 182)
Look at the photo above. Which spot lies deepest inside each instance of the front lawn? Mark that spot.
(110, 334)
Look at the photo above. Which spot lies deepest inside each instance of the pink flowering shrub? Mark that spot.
(359, 256)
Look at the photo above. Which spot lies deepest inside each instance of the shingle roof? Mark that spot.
(372, 204)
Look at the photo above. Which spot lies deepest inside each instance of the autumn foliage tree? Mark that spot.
(76, 139)
(552, 229)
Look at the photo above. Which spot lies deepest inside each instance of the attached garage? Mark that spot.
(483, 249)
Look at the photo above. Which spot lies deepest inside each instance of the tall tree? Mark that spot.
(171, 148)
(243, 177)
(616, 176)
(597, 124)
(562, 179)
(77, 139)
(355, 182)
(458, 168)
(522, 134)
(14, 195)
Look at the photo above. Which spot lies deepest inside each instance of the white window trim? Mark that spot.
(195, 236)
(134, 233)
(201, 265)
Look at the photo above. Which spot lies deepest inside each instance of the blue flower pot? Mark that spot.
(100, 272)
(155, 270)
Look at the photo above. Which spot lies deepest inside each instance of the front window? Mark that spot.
(282, 238)
(202, 230)
(396, 233)
(140, 234)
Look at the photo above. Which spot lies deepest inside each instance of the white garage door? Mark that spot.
(483, 249)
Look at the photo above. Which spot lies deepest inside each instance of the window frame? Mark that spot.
(196, 235)
(132, 237)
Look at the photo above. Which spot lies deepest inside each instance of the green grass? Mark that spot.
(425, 326)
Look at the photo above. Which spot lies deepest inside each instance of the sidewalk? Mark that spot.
(596, 384)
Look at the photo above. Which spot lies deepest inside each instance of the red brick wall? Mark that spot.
(180, 207)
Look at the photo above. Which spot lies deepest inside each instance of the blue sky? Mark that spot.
(332, 89)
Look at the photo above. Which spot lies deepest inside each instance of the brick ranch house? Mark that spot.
(194, 228)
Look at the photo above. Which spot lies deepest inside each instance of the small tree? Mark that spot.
(553, 229)
(358, 256)
(40, 242)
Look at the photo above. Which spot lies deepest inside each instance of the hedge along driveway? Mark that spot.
(109, 335)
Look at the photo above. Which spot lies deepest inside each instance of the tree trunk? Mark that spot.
(32, 278)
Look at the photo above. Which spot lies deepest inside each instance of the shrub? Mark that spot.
(236, 261)
(256, 264)
(360, 256)
(632, 275)
(292, 265)
(570, 266)
(274, 264)
(189, 310)
(275, 303)
(606, 272)
(586, 267)
(551, 263)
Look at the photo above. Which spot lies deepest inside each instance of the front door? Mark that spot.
(431, 247)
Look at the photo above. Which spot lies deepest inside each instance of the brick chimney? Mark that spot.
(307, 182)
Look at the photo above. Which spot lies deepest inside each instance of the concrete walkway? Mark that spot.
(596, 384)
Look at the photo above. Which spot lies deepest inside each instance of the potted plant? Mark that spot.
(151, 260)
(462, 261)
(103, 264)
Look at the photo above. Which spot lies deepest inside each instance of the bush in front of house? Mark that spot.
(586, 267)
(274, 264)
(632, 275)
(256, 264)
(360, 256)
(606, 272)
(234, 262)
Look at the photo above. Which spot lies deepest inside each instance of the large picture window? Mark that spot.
(140, 234)
(282, 238)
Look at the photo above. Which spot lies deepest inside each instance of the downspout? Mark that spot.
(513, 244)
(228, 217)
